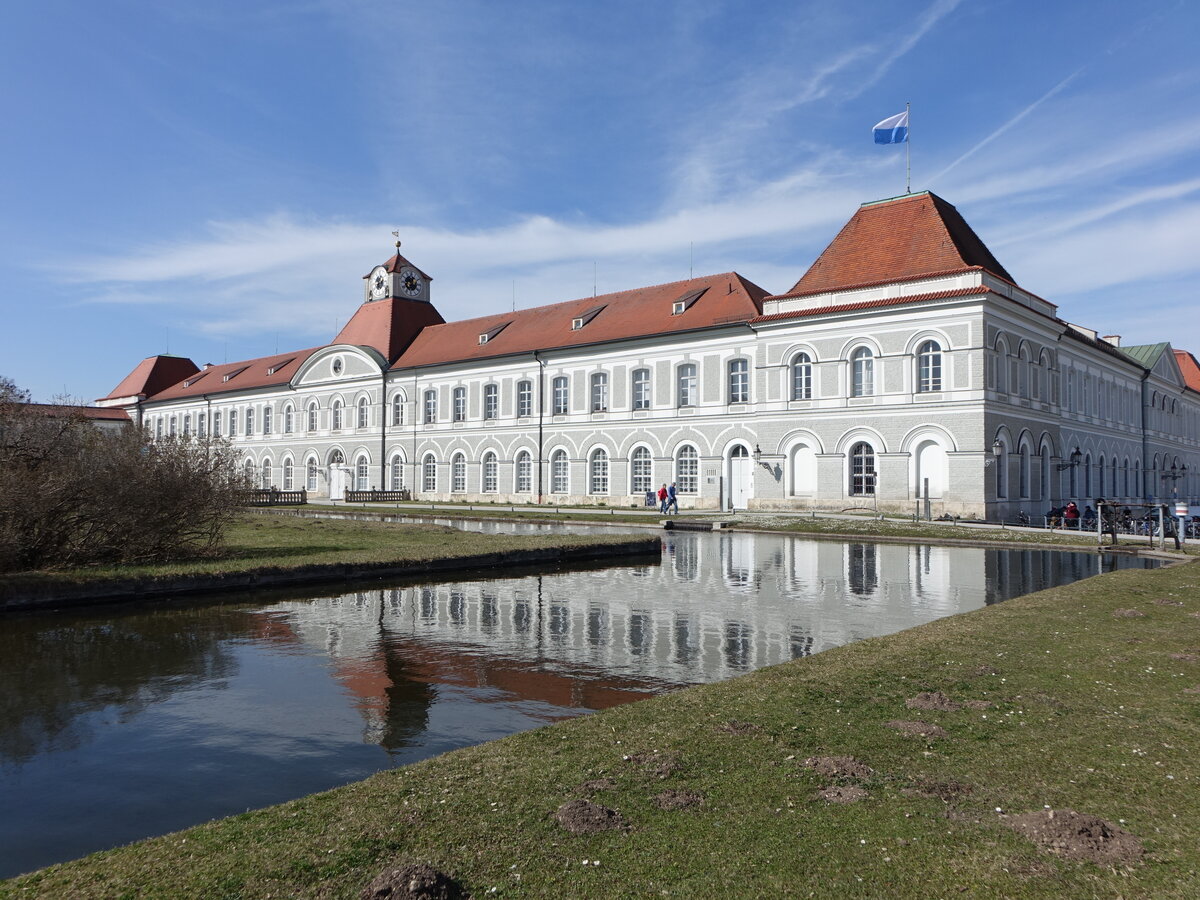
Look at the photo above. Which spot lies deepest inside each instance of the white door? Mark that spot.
(337, 482)
(741, 478)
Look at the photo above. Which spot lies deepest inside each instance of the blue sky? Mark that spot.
(214, 178)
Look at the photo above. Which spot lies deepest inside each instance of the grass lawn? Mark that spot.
(1085, 698)
(256, 542)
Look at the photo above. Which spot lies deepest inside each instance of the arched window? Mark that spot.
(524, 477)
(1112, 467)
(641, 470)
(266, 474)
(430, 407)
(862, 364)
(739, 381)
(267, 419)
(524, 398)
(201, 424)
(560, 397)
(396, 473)
(361, 474)
(336, 413)
(599, 392)
(491, 401)
(289, 419)
(216, 424)
(687, 470)
(458, 473)
(1001, 367)
(929, 367)
(802, 377)
(1002, 472)
(686, 378)
(459, 398)
(288, 478)
(1023, 474)
(1087, 476)
(862, 469)
(312, 416)
(311, 474)
(641, 388)
(250, 472)
(187, 424)
(398, 410)
(559, 472)
(429, 473)
(1044, 463)
(362, 413)
(598, 472)
(491, 473)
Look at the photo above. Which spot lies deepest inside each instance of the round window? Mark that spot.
(337, 365)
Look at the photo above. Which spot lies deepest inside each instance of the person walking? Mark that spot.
(662, 499)
(672, 499)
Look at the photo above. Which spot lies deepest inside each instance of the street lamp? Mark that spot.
(1174, 475)
(1076, 456)
(997, 452)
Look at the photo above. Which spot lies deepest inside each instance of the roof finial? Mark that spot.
(396, 235)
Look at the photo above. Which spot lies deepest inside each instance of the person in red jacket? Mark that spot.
(1071, 515)
(662, 499)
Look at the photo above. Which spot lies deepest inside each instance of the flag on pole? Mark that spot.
(892, 130)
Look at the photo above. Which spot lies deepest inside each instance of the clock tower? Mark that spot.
(396, 278)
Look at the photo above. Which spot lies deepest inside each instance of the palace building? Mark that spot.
(905, 363)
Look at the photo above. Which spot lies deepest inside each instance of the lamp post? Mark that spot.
(1076, 456)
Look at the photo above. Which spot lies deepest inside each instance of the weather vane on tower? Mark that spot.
(396, 235)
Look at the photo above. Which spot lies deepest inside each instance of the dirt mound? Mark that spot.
(1076, 835)
(1127, 614)
(586, 817)
(596, 785)
(1186, 657)
(934, 700)
(841, 793)
(839, 767)
(942, 790)
(414, 881)
(659, 763)
(1163, 601)
(986, 670)
(673, 799)
(1192, 690)
(918, 729)
(733, 726)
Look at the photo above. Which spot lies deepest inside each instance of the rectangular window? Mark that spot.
(739, 381)
(249, 422)
(202, 425)
(460, 404)
(266, 420)
(687, 385)
(641, 389)
(560, 395)
(600, 392)
(430, 408)
(491, 401)
(525, 398)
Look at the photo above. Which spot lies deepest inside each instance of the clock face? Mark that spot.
(410, 282)
(379, 283)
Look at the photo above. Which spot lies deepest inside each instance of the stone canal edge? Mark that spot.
(56, 594)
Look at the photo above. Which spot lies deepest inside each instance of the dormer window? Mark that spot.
(491, 333)
(279, 365)
(194, 379)
(684, 303)
(229, 376)
(579, 321)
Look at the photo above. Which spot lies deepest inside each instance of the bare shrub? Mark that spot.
(72, 495)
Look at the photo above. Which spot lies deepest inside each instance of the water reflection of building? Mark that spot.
(719, 606)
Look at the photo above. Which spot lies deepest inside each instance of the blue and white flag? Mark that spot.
(892, 130)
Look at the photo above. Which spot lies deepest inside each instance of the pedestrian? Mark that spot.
(1071, 515)
(662, 499)
(672, 499)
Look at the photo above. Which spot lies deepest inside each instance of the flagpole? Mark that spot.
(908, 150)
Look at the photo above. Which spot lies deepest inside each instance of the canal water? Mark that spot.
(120, 723)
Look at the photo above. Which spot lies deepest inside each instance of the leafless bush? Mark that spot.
(71, 494)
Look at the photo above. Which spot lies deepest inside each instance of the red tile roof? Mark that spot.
(88, 412)
(267, 371)
(398, 262)
(151, 375)
(388, 325)
(914, 236)
(724, 299)
(874, 304)
(1189, 367)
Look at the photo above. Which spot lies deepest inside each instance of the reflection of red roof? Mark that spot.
(712, 300)
(151, 375)
(267, 371)
(1190, 369)
(893, 240)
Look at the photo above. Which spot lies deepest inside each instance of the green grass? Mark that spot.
(265, 542)
(1089, 711)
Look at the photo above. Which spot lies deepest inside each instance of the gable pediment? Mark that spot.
(339, 363)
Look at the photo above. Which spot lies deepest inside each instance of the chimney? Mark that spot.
(1114, 339)
(207, 366)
